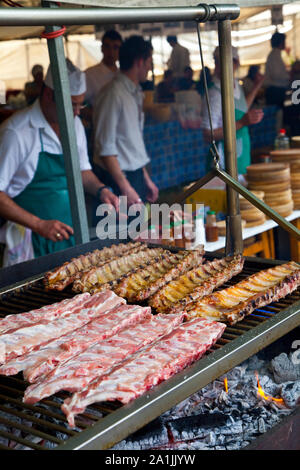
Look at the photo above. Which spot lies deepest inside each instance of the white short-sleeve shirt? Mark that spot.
(96, 78)
(20, 146)
(215, 100)
(118, 124)
(276, 73)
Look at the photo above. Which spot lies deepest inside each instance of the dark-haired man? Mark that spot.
(102, 73)
(119, 151)
(179, 58)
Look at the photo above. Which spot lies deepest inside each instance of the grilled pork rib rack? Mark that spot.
(64, 275)
(144, 281)
(106, 276)
(195, 284)
(232, 304)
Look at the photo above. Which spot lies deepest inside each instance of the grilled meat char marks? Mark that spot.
(113, 270)
(195, 284)
(140, 284)
(64, 275)
(232, 304)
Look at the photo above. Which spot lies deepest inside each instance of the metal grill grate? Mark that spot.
(44, 426)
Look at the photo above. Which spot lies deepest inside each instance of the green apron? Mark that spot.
(47, 197)
(243, 145)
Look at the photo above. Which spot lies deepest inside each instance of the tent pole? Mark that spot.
(234, 239)
(67, 134)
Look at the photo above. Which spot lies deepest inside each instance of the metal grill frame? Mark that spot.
(229, 351)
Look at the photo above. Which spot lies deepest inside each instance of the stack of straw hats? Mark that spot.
(291, 157)
(274, 179)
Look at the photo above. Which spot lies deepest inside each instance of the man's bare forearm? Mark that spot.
(111, 165)
(218, 133)
(9, 210)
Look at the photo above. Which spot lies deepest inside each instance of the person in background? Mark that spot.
(253, 76)
(277, 77)
(200, 87)
(244, 115)
(165, 90)
(186, 82)
(33, 181)
(99, 75)
(33, 89)
(179, 58)
(120, 156)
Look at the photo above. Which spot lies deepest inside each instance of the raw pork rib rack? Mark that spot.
(84, 342)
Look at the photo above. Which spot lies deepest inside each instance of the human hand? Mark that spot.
(132, 195)
(54, 230)
(152, 191)
(253, 116)
(108, 197)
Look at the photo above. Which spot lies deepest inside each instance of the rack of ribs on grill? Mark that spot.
(233, 303)
(76, 373)
(148, 367)
(139, 284)
(64, 275)
(110, 272)
(195, 284)
(27, 338)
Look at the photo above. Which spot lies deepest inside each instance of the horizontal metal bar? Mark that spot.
(87, 16)
(258, 203)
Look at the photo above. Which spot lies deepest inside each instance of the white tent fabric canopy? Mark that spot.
(251, 36)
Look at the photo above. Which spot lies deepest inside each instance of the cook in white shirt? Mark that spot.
(33, 184)
(119, 150)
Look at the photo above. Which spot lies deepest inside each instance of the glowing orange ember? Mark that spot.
(226, 385)
(261, 393)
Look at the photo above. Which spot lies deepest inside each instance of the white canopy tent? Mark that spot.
(251, 34)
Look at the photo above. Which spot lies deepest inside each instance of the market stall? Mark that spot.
(107, 423)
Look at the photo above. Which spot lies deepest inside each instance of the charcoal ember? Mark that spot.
(254, 363)
(233, 428)
(261, 426)
(152, 435)
(290, 392)
(285, 369)
(210, 439)
(188, 445)
(269, 386)
(193, 427)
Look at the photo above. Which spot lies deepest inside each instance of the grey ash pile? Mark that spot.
(213, 419)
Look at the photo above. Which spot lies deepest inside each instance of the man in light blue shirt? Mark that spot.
(120, 155)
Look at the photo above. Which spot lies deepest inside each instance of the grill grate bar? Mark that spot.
(38, 421)
(31, 431)
(20, 440)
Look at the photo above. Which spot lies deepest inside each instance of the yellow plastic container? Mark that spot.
(214, 198)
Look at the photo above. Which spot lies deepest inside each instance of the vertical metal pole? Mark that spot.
(234, 240)
(67, 133)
